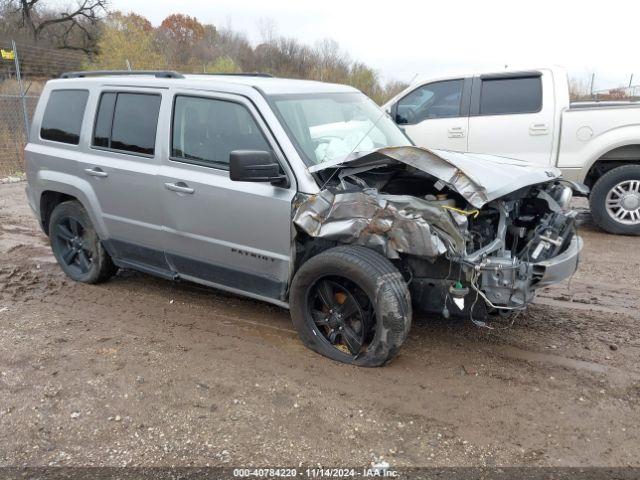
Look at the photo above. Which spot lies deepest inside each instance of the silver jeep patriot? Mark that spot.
(299, 193)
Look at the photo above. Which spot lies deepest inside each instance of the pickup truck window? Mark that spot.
(433, 100)
(330, 126)
(511, 95)
(127, 122)
(62, 118)
(205, 131)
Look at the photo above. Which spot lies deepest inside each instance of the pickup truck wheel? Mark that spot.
(352, 305)
(76, 245)
(615, 200)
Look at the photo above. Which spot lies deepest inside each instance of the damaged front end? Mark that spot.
(473, 235)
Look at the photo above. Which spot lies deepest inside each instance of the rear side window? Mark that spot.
(511, 95)
(127, 122)
(205, 131)
(63, 115)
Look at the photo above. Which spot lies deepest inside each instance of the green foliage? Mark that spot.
(223, 64)
(127, 38)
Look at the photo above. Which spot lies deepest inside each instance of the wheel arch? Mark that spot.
(57, 187)
(49, 200)
(628, 154)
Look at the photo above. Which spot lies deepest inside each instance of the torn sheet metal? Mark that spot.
(393, 224)
(478, 178)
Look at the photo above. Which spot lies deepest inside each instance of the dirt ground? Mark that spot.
(142, 371)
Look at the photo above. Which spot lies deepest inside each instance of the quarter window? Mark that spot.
(511, 95)
(434, 100)
(206, 131)
(63, 115)
(127, 122)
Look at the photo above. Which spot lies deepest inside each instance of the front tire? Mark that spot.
(352, 305)
(615, 201)
(76, 245)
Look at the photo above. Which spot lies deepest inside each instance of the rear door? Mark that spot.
(122, 165)
(235, 235)
(512, 115)
(435, 115)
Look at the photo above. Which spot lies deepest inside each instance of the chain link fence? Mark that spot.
(24, 69)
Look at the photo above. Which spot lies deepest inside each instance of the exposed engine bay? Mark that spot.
(469, 242)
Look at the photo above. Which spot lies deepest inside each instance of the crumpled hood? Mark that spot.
(478, 178)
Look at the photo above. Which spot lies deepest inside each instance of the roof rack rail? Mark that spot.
(105, 73)
(247, 74)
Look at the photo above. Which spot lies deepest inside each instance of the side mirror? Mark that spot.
(255, 166)
(397, 117)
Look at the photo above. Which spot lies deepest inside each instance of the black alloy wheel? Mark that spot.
(76, 245)
(74, 248)
(342, 314)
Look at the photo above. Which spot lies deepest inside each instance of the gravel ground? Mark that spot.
(141, 371)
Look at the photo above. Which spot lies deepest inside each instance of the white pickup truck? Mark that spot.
(527, 115)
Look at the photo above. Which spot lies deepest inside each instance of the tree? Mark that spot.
(224, 64)
(130, 21)
(182, 29)
(579, 88)
(127, 40)
(180, 35)
(391, 89)
(365, 79)
(73, 28)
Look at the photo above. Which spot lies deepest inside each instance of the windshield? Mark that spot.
(330, 126)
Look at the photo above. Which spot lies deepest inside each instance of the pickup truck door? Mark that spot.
(232, 235)
(512, 115)
(435, 115)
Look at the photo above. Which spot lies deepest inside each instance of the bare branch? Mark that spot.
(86, 10)
(76, 34)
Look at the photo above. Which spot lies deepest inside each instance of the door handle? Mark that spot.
(456, 132)
(96, 172)
(538, 129)
(179, 187)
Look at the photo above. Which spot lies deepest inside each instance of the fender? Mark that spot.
(50, 180)
(594, 150)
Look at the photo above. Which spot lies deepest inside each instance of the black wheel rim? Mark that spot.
(342, 314)
(74, 247)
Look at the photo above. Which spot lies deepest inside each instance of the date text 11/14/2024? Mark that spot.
(374, 471)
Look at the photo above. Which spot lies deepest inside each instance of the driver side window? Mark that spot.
(206, 130)
(433, 100)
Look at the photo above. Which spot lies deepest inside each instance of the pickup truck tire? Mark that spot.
(76, 245)
(615, 201)
(352, 305)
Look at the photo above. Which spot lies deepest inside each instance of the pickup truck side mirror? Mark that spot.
(255, 166)
(397, 117)
(400, 120)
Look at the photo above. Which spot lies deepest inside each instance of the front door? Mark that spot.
(433, 115)
(234, 235)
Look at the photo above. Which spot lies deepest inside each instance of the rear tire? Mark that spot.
(615, 201)
(370, 300)
(76, 245)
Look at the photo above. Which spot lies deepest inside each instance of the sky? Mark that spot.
(402, 39)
